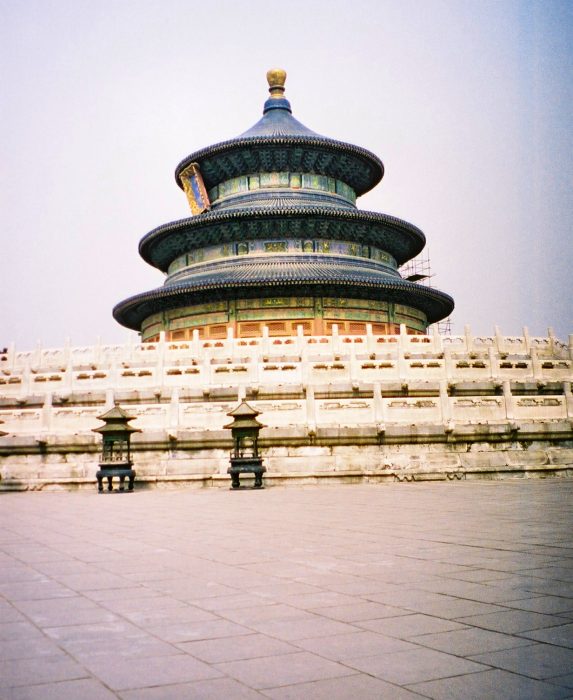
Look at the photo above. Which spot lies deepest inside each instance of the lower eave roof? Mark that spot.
(263, 278)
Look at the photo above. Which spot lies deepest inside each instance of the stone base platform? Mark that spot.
(335, 408)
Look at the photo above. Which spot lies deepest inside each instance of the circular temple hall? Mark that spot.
(276, 241)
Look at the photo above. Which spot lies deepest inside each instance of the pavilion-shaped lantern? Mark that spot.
(116, 449)
(245, 454)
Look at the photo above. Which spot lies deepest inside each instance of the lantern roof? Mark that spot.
(116, 421)
(245, 416)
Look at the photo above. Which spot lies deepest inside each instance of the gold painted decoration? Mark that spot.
(276, 78)
(195, 189)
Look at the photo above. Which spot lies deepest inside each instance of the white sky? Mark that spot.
(468, 103)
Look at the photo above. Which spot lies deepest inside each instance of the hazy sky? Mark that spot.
(468, 103)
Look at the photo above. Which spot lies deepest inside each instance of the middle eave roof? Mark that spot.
(399, 238)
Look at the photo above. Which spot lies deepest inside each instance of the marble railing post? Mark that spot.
(26, 385)
(526, 339)
(445, 407)
(551, 338)
(568, 400)
(353, 366)
(174, 418)
(402, 362)
(379, 412)
(47, 414)
(536, 369)
(68, 382)
(493, 358)
(310, 410)
(469, 339)
(438, 345)
(304, 365)
(231, 344)
(448, 362)
(370, 339)
(300, 342)
(265, 341)
(195, 345)
(499, 339)
(160, 362)
(206, 369)
(508, 397)
(335, 340)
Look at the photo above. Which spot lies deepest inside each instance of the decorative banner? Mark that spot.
(195, 189)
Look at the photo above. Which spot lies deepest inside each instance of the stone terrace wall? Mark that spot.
(336, 408)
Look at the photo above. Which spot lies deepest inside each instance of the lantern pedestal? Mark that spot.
(121, 471)
(246, 465)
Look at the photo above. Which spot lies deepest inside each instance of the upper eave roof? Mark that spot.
(356, 166)
(278, 142)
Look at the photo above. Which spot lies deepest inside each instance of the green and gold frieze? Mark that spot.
(402, 310)
(285, 180)
(274, 302)
(209, 307)
(278, 246)
(342, 302)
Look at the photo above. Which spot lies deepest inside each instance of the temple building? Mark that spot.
(276, 241)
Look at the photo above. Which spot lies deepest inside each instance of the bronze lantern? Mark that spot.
(116, 449)
(245, 456)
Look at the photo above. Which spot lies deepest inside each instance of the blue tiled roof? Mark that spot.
(277, 120)
(286, 275)
(300, 267)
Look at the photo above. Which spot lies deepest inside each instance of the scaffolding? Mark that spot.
(419, 271)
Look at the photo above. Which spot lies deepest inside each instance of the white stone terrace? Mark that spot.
(308, 382)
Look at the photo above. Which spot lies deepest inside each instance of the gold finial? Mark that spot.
(276, 78)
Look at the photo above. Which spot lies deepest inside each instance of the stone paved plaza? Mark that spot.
(438, 590)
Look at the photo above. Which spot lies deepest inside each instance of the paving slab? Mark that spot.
(87, 689)
(513, 621)
(250, 646)
(561, 636)
(217, 689)
(43, 669)
(490, 684)
(535, 661)
(283, 669)
(415, 665)
(461, 590)
(354, 687)
(470, 641)
(119, 674)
